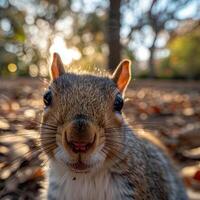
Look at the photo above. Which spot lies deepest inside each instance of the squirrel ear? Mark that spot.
(122, 75)
(57, 68)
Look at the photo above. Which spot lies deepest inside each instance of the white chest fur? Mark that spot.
(64, 185)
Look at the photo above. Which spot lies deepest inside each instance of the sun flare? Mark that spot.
(67, 54)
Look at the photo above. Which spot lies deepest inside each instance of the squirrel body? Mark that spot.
(93, 152)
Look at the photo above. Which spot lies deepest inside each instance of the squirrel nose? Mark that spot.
(80, 124)
(80, 134)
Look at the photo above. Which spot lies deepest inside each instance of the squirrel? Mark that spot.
(92, 151)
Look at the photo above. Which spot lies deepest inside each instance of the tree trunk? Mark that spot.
(151, 66)
(113, 35)
(151, 63)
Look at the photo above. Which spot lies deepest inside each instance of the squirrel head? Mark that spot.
(83, 116)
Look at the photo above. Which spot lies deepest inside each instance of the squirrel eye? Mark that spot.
(118, 104)
(47, 98)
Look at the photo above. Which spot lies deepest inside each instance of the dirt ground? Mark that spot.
(167, 109)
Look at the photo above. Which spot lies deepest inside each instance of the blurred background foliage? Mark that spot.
(183, 60)
(162, 37)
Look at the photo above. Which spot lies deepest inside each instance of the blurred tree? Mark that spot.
(82, 30)
(158, 16)
(28, 30)
(89, 38)
(12, 35)
(113, 35)
(184, 56)
(21, 25)
(16, 44)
